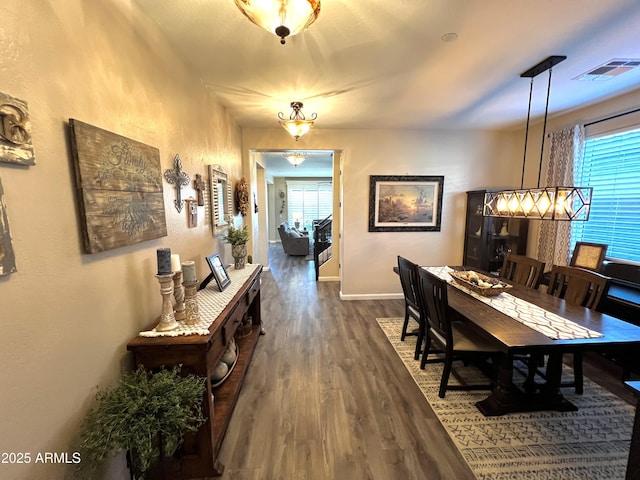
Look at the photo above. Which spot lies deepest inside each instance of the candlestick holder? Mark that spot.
(191, 303)
(178, 294)
(167, 318)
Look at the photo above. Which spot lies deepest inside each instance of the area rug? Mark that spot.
(591, 443)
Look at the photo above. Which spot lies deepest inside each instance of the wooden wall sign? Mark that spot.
(119, 184)
(15, 132)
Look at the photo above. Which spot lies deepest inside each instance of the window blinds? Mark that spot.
(312, 200)
(611, 165)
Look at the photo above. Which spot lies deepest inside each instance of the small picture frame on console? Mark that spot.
(218, 272)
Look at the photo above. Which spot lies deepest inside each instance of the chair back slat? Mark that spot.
(522, 270)
(578, 286)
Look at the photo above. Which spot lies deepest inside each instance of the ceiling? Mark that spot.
(384, 64)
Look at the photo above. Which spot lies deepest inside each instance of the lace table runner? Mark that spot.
(550, 324)
(211, 303)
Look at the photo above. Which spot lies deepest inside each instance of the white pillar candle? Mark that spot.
(175, 262)
(189, 271)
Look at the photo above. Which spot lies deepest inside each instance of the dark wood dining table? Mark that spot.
(514, 338)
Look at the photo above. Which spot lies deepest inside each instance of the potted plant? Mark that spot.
(238, 238)
(146, 415)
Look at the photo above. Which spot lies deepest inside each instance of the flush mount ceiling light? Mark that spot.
(547, 203)
(295, 158)
(281, 17)
(297, 125)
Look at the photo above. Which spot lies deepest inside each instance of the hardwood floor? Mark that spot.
(326, 397)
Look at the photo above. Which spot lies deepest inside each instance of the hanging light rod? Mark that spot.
(548, 203)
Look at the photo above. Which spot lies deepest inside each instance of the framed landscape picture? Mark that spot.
(408, 203)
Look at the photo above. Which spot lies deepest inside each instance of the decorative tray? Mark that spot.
(480, 283)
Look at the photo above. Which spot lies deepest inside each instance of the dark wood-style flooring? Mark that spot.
(326, 397)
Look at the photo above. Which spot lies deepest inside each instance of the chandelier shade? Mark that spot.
(543, 203)
(281, 17)
(295, 158)
(297, 125)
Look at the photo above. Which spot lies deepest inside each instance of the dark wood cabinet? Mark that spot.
(488, 239)
(199, 355)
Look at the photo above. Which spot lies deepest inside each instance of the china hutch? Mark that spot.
(488, 239)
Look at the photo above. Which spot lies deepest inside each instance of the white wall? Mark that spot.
(468, 160)
(66, 316)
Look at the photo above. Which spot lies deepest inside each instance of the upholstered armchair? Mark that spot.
(293, 242)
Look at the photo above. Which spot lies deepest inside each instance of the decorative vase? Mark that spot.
(239, 253)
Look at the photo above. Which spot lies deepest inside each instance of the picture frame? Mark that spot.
(405, 203)
(218, 272)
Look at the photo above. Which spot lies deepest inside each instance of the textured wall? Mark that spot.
(65, 316)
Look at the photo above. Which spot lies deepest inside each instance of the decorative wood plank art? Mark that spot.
(119, 184)
(15, 132)
(7, 258)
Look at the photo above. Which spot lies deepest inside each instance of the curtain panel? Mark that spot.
(566, 148)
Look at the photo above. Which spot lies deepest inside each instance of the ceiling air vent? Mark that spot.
(610, 70)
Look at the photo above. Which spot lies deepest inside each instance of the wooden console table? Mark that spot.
(199, 354)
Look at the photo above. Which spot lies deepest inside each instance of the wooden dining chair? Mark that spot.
(412, 309)
(578, 286)
(455, 338)
(522, 270)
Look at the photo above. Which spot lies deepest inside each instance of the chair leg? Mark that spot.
(405, 325)
(427, 349)
(416, 354)
(448, 364)
(577, 372)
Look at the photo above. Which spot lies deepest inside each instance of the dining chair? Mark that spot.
(578, 286)
(456, 339)
(588, 255)
(412, 309)
(522, 270)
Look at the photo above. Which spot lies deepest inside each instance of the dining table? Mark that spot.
(512, 337)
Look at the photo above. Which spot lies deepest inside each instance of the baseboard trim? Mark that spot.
(372, 296)
(328, 279)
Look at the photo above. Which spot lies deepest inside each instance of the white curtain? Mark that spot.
(567, 146)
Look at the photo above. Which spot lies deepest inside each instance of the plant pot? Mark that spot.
(239, 253)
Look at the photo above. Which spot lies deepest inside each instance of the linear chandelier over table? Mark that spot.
(544, 203)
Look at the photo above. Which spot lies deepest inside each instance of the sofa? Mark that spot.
(293, 241)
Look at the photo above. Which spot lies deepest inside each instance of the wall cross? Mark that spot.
(177, 177)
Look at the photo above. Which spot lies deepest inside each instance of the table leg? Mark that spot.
(507, 398)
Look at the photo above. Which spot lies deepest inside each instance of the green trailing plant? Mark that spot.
(146, 414)
(236, 236)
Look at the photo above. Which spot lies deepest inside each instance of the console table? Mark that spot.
(199, 354)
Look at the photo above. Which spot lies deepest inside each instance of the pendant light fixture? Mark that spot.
(295, 158)
(546, 203)
(282, 17)
(297, 125)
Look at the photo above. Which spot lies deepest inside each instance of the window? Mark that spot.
(611, 165)
(308, 201)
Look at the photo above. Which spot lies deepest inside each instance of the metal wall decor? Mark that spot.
(7, 258)
(119, 184)
(242, 197)
(175, 176)
(15, 131)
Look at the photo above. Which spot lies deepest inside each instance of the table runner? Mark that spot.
(550, 324)
(211, 303)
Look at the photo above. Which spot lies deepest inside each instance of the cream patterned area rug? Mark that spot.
(592, 443)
